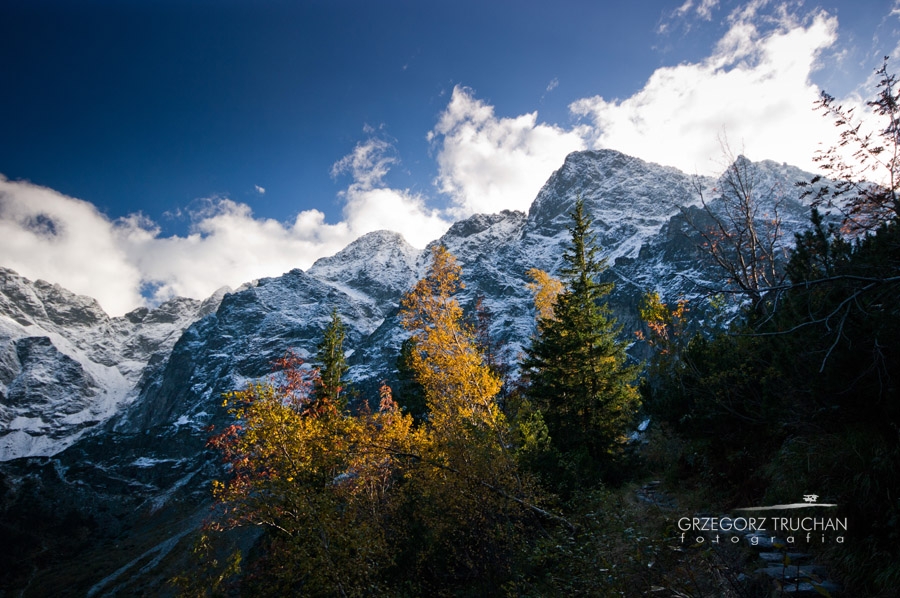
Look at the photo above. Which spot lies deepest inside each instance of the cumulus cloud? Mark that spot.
(370, 204)
(487, 163)
(754, 89)
(226, 246)
(260, 190)
(45, 234)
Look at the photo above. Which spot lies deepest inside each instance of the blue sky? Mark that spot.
(162, 147)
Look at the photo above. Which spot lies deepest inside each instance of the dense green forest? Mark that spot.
(462, 482)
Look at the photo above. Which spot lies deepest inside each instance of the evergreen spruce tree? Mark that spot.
(409, 393)
(330, 386)
(577, 367)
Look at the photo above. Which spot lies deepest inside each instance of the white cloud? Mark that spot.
(755, 89)
(487, 164)
(371, 205)
(554, 83)
(683, 15)
(704, 11)
(381, 208)
(260, 190)
(46, 235)
(684, 8)
(227, 245)
(895, 12)
(369, 161)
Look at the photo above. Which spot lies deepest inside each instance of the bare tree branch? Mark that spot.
(739, 237)
(864, 165)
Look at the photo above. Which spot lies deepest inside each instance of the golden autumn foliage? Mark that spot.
(454, 502)
(459, 386)
(366, 503)
(546, 289)
(472, 492)
(317, 479)
(665, 324)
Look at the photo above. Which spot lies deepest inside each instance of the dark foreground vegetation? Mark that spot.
(462, 483)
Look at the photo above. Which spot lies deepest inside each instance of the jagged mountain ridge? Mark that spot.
(639, 218)
(65, 366)
(150, 447)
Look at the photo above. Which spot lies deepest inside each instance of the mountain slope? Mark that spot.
(120, 408)
(65, 366)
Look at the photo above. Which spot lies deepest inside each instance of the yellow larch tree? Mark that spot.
(546, 289)
(474, 498)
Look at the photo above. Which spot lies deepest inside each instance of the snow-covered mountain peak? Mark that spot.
(479, 223)
(629, 199)
(43, 303)
(370, 251)
(154, 379)
(613, 185)
(469, 238)
(110, 363)
(380, 266)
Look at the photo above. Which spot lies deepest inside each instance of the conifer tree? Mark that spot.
(409, 393)
(330, 385)
(577, 366)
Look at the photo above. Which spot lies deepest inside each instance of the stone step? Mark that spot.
(806, 589)
(778, 557)
(793, 572)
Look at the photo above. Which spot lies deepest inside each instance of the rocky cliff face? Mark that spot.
(119, 408)
(65, 366)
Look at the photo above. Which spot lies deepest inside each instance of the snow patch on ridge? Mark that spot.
(65, 366)
(166, 369)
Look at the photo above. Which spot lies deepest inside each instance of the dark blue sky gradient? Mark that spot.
(148, 106)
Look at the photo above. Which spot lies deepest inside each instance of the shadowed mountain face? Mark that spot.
(104, 421)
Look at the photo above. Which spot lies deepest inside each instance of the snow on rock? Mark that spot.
(65, 366)
(125, 405)
(378, 268)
